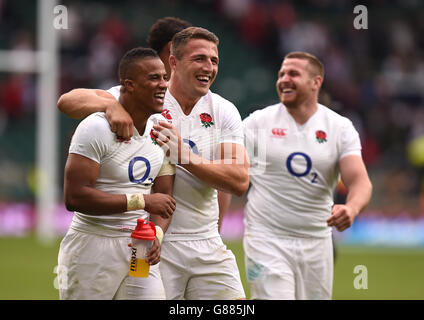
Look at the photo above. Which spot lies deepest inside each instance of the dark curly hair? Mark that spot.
(163, 31)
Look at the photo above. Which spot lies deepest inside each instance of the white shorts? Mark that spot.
(289, 268)
(200, 270)
(96, 267)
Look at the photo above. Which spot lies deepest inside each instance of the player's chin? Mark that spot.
(201, 91)
(202, 88)
(288, 101)
(157, 106)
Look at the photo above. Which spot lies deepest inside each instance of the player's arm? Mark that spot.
(224, 201)
(359, 190)
(230, 175)
(81, 174)
(163, 184)
(80, 103)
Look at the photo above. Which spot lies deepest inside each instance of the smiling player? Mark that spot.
(108, 184)
(290, 212)
(205, 133)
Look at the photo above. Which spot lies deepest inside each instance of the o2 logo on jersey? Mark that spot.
(146, 174)
(307, 169)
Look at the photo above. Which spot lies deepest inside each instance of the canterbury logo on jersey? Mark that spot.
(278, 132)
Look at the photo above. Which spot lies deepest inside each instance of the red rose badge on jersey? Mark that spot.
(206, 120)
(167, 115)
(153, 137)
(321, 136)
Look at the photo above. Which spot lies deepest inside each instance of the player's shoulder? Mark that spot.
(265, 113)
(115, 91)
(96, 128)
(96, 123)
(222, 108)
(216, 97)
(334, 117)
(217, 100)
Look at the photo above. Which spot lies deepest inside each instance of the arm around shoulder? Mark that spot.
(79, 103)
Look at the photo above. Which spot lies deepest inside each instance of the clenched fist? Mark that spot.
(342, 217)
(160, 204)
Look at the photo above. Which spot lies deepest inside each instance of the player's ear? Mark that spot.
(172, 62)
(128, 85)
(317, 82)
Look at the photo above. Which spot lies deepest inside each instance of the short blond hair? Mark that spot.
(317, 68)
(180, 39)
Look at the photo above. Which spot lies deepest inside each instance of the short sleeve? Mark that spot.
(249, 135)
(350, 143)
(92, 138)
(231, 125)
(254, 138)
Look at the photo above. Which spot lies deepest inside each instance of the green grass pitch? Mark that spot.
(27, 271)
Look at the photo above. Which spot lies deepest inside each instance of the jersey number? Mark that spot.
(306, 171)
(131, 166)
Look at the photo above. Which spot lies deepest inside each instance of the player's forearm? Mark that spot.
(163, 184)
(80, 103)
(224, 201)
(225, 175)
(161, 222)
(94, 202)
(359, 195)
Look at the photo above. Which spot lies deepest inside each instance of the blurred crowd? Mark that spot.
(374, 76)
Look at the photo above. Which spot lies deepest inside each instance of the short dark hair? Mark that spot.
(316, 65)
(132, 56)
(163, 31)
(184, 36)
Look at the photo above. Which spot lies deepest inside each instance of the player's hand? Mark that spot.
(342, 217)
(153, 256)
(160, 204)
(170, 140)
(120, 121)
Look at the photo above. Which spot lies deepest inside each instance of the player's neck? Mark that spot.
(303, 111)
(138, 115)
(186, 102)
(140, 120)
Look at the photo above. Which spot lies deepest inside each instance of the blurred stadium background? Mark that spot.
(374, 76)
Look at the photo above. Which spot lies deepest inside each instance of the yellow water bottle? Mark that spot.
(141, 241)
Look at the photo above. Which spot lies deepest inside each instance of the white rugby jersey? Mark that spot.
(296, 170)
(125, 167)
(213, 120)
